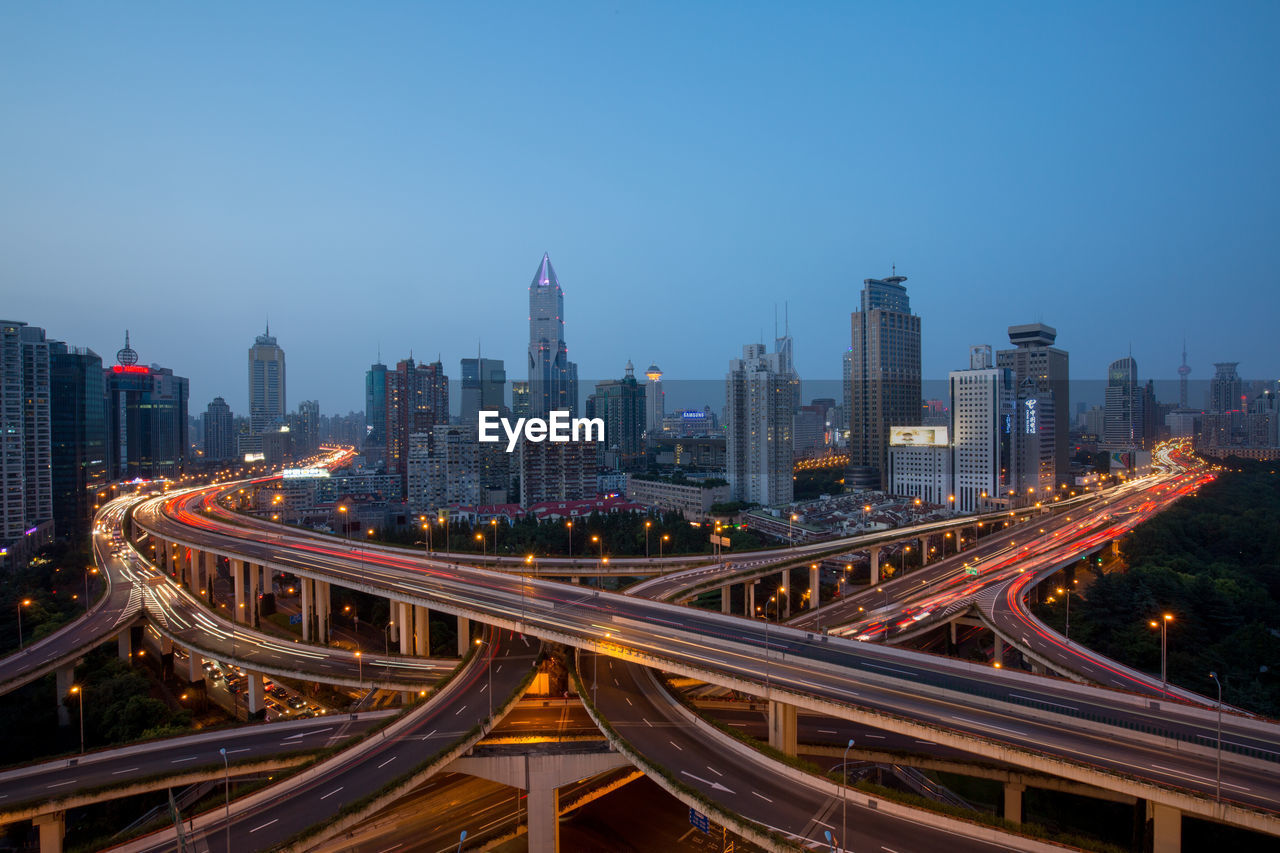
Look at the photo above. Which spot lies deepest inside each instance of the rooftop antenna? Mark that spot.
(786, 329)
(775, 319)
(893, 270)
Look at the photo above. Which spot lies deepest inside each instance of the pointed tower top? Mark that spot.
(546, 274)
(127, 356)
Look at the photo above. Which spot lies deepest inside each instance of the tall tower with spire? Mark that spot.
(266, 384)
(1183, 372)
(553, 379)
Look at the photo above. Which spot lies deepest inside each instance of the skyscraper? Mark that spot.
(1035, 357)
(1184, 372)
(417, 399)
(304, 428)
(520, 398)
(1226, 391)
(484, 386)
(655, 401)
(621, 404)
(758, 396)
(375, 410)
(884, 375)
(146, 418)
(266, 384)
(78, 434)
(1122, 420)
(553, 379)
(982, 458)
(219, 431)
(26, 499)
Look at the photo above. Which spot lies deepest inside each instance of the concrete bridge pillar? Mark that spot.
(951, 633)
(251, 597)
(324, 602)
(997, 653)
(1166, 828)
(1013, 801)
(195, 670)
(782, 727)
(52, 827)
(784, 591)
(256, 691)
(814, 588)
(306, 595)
(421, 631)
(66, 676)
(749, 598)
(873, 556)
(237, 582)
(464, 636)
(393, 614)
(544, 813)
(726, 605)
(923, 543)
(406, 628)
(124, 645)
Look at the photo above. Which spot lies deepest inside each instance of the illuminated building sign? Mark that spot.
(130, 368)
(919, 436)
(1029, 417)
(304, 473)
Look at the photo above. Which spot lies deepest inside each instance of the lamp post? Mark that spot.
(1066, 593)
(844, 801)
(226, 771)
(488, 671)
(647, 525)
(1163, 625)
(569, 526)
(88, 570)
(1214, 676)
(444, 522)
(342, 508)
(484, 547)
(75, 688)
(26, 602)
(494, 522)
(791, 539)
(360, 665)
(386, 637)
(666, 537)
(528, 561)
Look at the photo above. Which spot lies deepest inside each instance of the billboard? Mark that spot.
(918, 436)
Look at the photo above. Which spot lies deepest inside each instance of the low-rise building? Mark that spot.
(692, 498)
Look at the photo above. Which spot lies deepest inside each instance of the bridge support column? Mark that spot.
(406, 628)
(237, 581)
(951, 629)
(421, 631)
(65, 676)
(726, 605)
(323, 602)
(997, 651)
(251, 597)
(1013, 801)
(782, 727)
(785, 589)
(924, 551)
(210, 572)
(1166, 828)
(749, 599)
(52, 827)
(257, 693)
(306, 595)
(815, 592)
(873, 557)
(195, 670)
(124, 645)
(544, 813)
(464, 638)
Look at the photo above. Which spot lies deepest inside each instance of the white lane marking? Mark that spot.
(762, 796)
(628, 698)
(126, 770)
(714, 785)
(241, 749)
(60, 784)
(715, 771)
(647, 723)
(460, 710)
(1194, 776)
(265, 825)
(984, 725)
(877, 737)
(385, 763)
(676, 745)
(188, 758)
(1043, 701)
(827, 731)
(331, 793)
(926, 742)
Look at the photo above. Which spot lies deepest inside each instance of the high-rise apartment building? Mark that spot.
(1123, 416)
(556, 471)
(146, 418)
(304, 428)
(375, 412)
(444, 469)
(484, 387)
(1034, 357)
(26, 485)
(760, 409)
(655, 401)
(982, 457)
(884, 375)
(520, 405)
(78, 436)
(620, 403)
(417, 399)
(219, 431)
(266, 384)
(553, 379)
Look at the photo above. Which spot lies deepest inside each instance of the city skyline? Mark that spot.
(293, 190)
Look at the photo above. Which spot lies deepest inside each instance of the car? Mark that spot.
(278, 692)
(296, 702)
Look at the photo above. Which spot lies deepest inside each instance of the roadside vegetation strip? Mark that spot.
(664, 777)
(358, 810)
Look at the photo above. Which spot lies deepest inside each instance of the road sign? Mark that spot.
(971, 570)
(699, 821)
(722, 541)
(295, 619)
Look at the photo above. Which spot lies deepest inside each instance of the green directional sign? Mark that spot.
(971, 570)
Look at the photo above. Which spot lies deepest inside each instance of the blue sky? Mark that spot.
(390, 174)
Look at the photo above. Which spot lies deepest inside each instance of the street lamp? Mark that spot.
(342, 508)
(75, 688)
(1214, 676)
(844, 801)
(791, 539)
(444, 522)
(360, 664)
(226, 771)
(488, 671)
(484, 547)
(386, 637)
(647, 525)
(569, 526)
(528, 561)
(1163, 625)
(26, 602)
(1066, 593)
(494, 522)
(88, 570)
